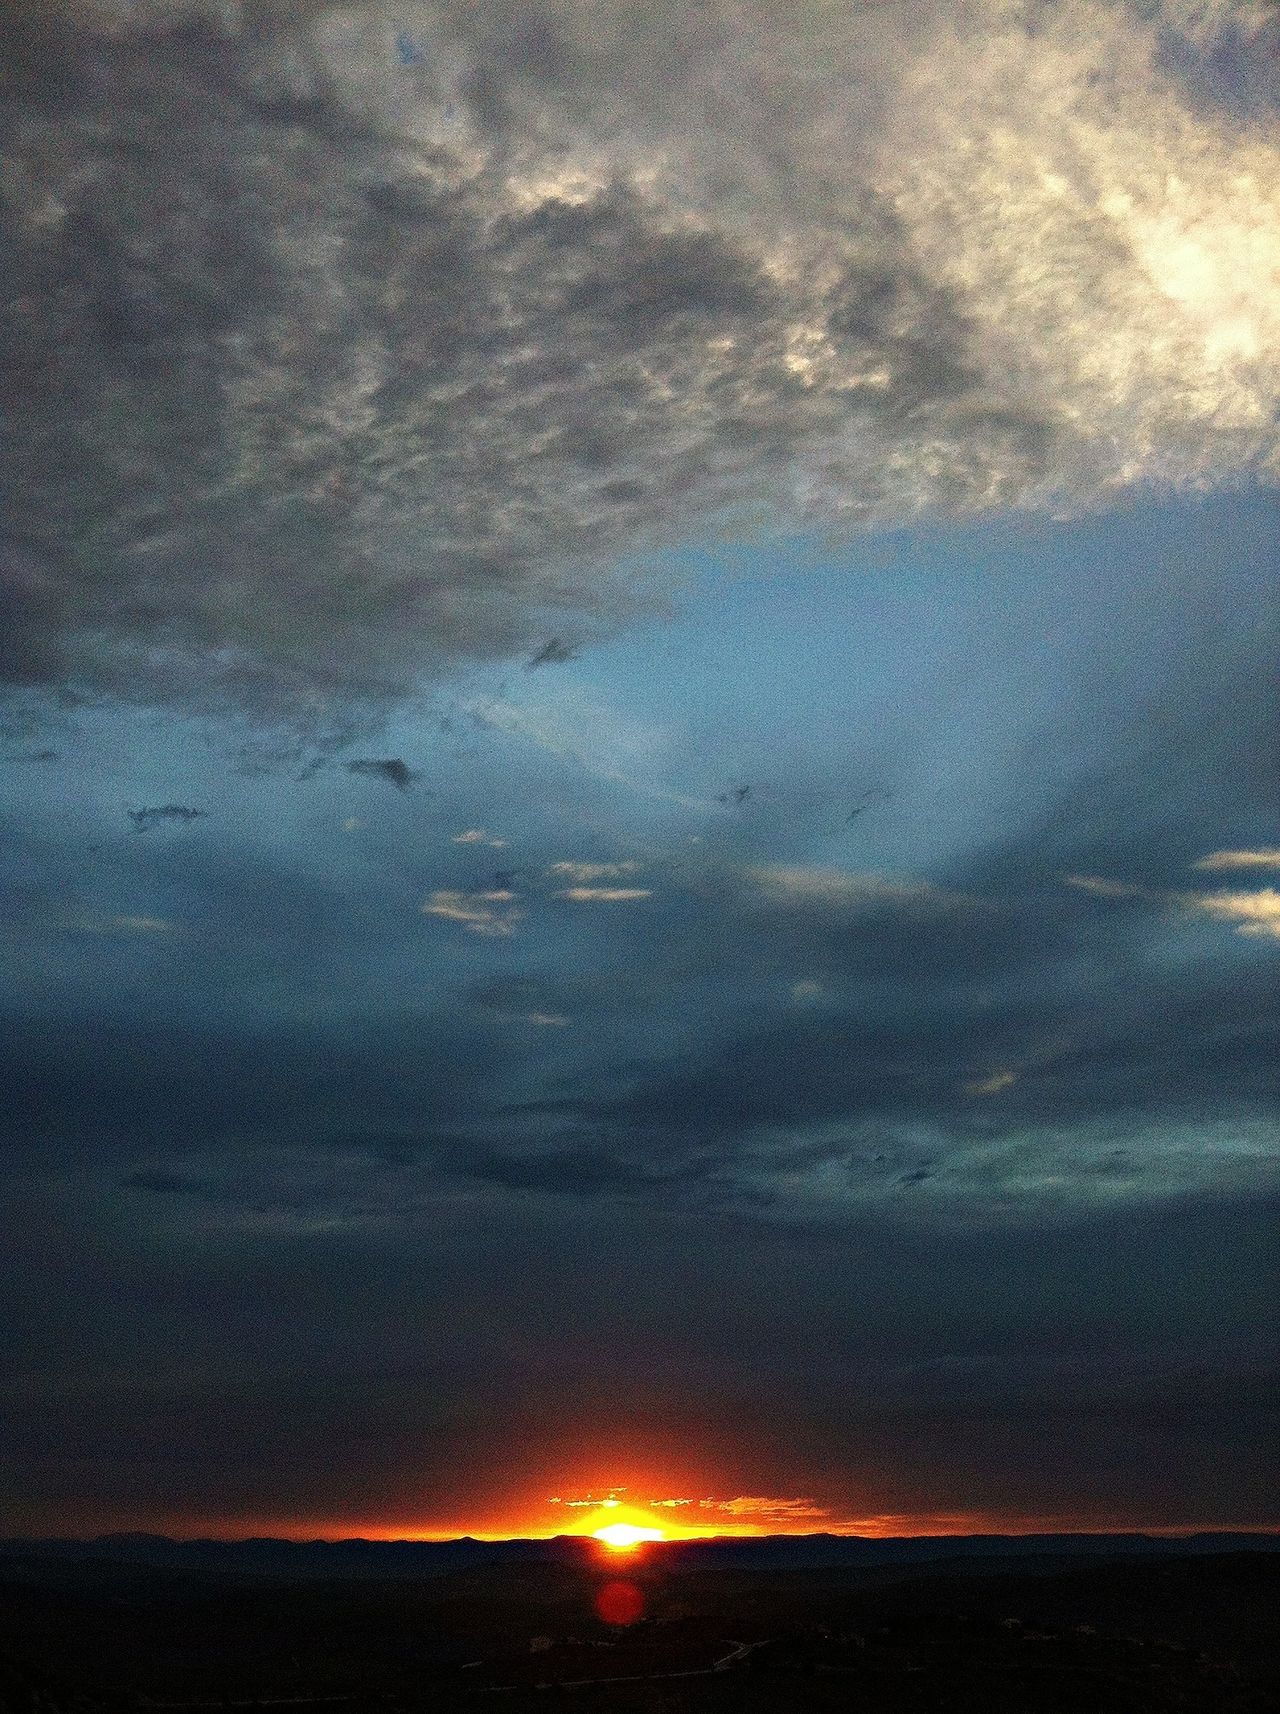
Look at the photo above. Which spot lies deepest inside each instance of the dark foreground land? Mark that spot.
(1069, 1633)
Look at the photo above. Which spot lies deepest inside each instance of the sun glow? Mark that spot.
(624, 1538)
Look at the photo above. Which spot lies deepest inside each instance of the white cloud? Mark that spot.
(479, 836)
(844, 263)
(493, 913)
(604, 895)
(810, 887)
(992, 1085)
(1252, 913)
(547, 1020)
(127, 925)
(585, 872)
(1266, 858)
(1256, 914)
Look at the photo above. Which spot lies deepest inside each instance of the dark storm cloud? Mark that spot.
(1015, 1369)
(393, 769)
(333, 358)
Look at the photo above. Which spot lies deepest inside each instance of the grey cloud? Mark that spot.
(553, 653)
(144, 820)
(393, 769)
(336, 360)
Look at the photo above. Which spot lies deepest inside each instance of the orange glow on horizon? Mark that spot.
(660, 1522)
(625, 1538)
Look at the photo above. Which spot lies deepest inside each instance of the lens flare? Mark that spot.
(620, 1604)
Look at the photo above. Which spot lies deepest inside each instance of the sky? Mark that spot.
(637, 755)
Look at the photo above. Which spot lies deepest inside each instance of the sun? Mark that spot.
(625, 1538)
(621, 1528)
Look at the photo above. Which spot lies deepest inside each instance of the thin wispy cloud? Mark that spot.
(806, 887)
(1103, 888)
(1255, 914)
(582, 873)
(494, 913)
(127, 925)
(605, 895)
(479, 836)
(1268, 857)
(995, 1084)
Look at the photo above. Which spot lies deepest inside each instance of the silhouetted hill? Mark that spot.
(359, 1558)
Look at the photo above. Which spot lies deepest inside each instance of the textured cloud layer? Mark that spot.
(348, 339)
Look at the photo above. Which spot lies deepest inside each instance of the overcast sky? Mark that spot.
(637, 737)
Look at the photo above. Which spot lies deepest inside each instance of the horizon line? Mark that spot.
(1171, 1532)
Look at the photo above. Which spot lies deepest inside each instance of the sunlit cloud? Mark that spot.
(1256, 914)
(761, 1509)
(491, 913)
(479, 836)
(1266, 858)
(604, 895)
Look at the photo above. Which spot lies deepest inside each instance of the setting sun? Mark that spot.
(623, 1537)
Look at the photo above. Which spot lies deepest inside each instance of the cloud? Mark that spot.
(479, 836)
(341, 363)
(999, 1080)
(1104, 889)
(390, 768)
(604, 895)
(547, 1020)
(1255, 914)
(554, 653)
(806, 887)
(586, 872)
(144, 820)
(127, 925)
(760, 1509)
(492, 913)
(1267, 858)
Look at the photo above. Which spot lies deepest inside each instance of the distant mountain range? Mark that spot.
(269, 1556)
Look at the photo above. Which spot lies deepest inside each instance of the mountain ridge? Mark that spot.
(358, 1556)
